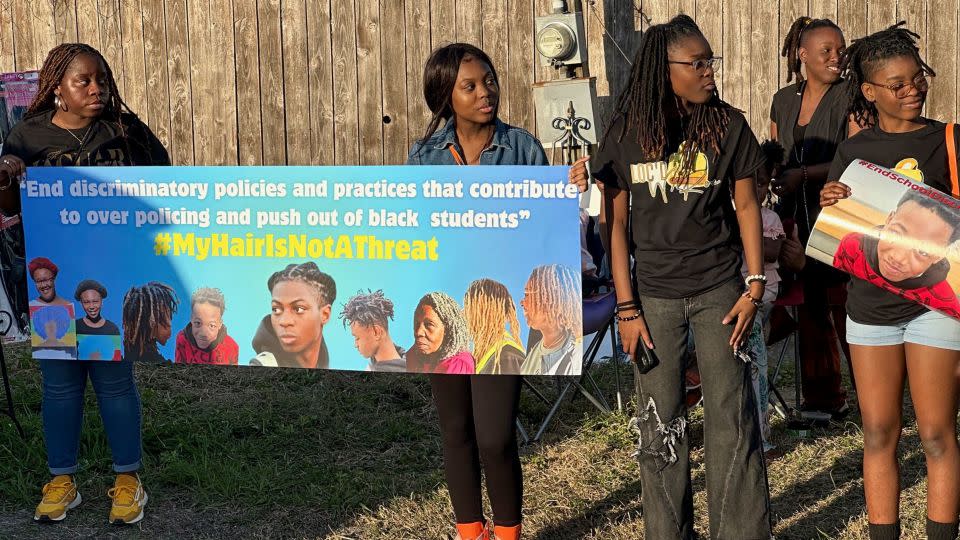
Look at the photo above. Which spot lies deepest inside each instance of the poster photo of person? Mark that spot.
(205, 340)
(54, 334)
(97, 337)
(368, 317)
(148, 312)
(552, 305)
(895, 234)
(301, 298)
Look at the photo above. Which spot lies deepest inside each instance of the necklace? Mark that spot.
(556, 342)
(486, 145)
(83, 140)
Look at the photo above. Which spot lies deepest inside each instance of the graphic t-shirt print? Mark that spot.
(910, 168)
(662, 176)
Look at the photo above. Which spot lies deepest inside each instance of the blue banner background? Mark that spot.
(120, 256)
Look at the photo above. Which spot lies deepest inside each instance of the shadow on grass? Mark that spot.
(231, 446)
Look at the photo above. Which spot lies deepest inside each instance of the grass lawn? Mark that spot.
(258, 453)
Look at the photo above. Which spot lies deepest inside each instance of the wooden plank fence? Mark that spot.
(339, 81)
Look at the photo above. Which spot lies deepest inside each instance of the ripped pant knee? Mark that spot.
(656, 439)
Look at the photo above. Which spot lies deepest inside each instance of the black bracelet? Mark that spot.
(628, 303)
(630, 318)
(636, 307)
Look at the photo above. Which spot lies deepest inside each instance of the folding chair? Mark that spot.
(788, 302)
(598, 319)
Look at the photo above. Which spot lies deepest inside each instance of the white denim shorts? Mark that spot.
(932, 329)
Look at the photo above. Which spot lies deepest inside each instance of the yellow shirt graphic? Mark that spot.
(662, 176)
(699, 173)
(910, 168)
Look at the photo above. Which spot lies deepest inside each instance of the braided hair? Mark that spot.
(456, 336)
(55, 67)
(368, 309)
(648, 100)
(490, 314)
(144, 309)
(554, 291)
(794, 40)
(310, 274)
(51, 74)
(865, 55)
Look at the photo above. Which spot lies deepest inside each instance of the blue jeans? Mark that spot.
(737, 495)
(64, 383)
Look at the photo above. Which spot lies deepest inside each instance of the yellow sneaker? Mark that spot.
(129, 499)
(59, 495)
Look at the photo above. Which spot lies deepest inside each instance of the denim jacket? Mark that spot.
(510, 146)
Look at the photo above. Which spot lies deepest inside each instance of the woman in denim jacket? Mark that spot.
(477, 412)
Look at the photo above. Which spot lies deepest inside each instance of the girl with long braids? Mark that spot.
(894, 340)
(680, 152)
(79, 118)
(477, 413)
(494, 328)
(809, 118)
(553, 308)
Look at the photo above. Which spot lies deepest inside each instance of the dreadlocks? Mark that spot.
(144, 309)
(867, 54)
(794, 40)
(53, 70)
(310, 274)
(648, 100)
(368, 309)
(455, 334)
(552, 290)
(490, 313)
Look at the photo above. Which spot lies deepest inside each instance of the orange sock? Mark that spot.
(506, 533)
(472, 531)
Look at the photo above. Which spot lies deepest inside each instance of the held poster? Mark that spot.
(17, 90)
(455, 270)
(895, 233)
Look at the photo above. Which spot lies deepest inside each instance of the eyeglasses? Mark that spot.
(902, 89)
(700, 65)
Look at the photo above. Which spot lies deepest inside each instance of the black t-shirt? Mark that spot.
(108, 328)
(920, 155)
(815, 144)
(685, 232)
(39, 142)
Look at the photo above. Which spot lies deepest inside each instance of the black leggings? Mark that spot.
(477, 415)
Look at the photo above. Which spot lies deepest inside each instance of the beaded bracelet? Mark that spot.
(630, 318)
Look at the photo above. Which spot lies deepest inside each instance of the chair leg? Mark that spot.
(536, 391)
(524, 437)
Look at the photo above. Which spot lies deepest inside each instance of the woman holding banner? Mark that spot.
(809, 119)
(78, 118)
(477, 412)
(894, 340)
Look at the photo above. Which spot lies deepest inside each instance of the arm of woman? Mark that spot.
(616, 207)
(748, 217)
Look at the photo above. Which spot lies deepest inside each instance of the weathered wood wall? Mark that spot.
(339, 81)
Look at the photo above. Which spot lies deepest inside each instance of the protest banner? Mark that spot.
(894, 232)
(410, 269)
